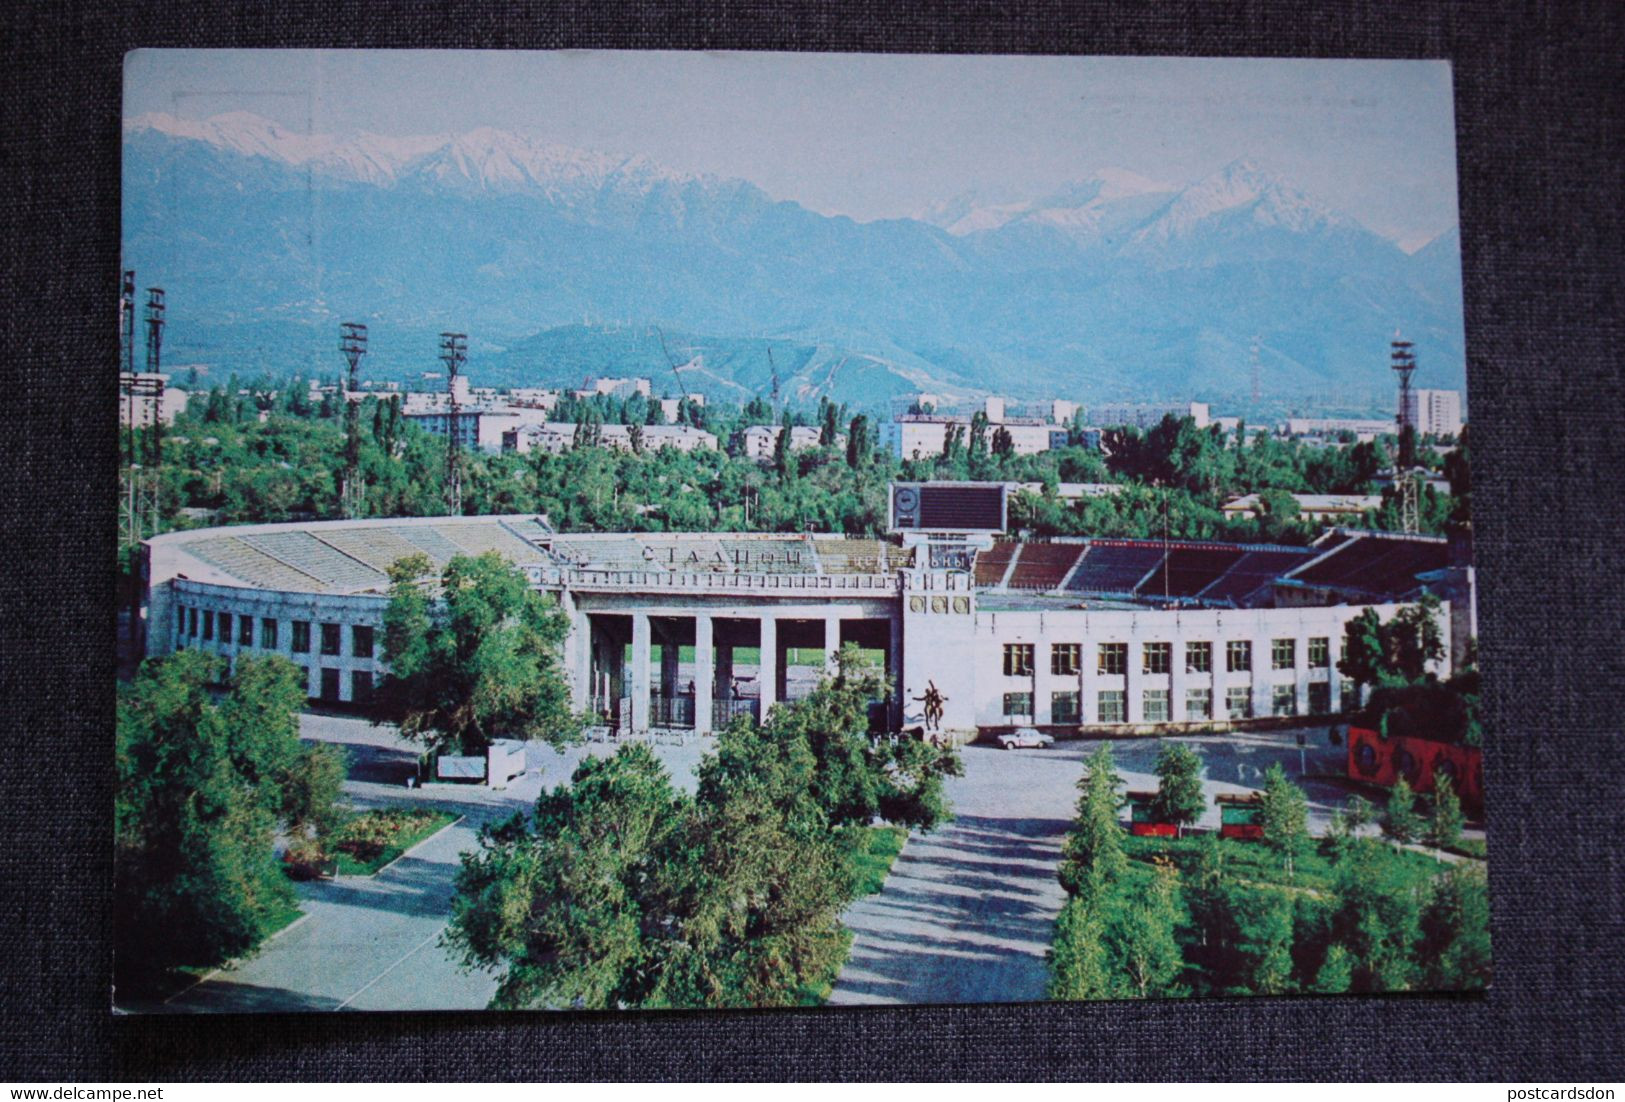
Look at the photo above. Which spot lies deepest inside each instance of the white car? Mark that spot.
(1025, 737)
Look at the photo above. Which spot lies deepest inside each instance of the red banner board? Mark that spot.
(1377, 760)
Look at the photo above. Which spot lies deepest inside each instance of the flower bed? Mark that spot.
(373, 839)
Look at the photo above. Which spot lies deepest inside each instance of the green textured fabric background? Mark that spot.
(1538, 109)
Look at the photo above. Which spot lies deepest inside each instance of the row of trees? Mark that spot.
(221, 457)
(1206, 918)
(204, 787)
(622, 891)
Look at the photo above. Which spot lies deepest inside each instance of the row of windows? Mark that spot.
(208, 625)
(1111, 705)
(1112, 658)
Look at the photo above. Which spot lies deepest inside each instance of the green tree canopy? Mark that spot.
(1179, 796)
(1285, 815)
(475, 660)
(201, 790)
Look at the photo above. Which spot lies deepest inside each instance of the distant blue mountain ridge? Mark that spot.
(560, 264)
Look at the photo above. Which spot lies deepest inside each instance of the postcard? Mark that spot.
(627, 531)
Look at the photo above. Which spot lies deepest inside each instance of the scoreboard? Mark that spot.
(948, 506)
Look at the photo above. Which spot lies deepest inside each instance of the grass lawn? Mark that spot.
(876, 855)
(373, 839)
(1258, 863)
(1470, 847)
(877, 850)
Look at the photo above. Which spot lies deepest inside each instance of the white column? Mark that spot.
(1043, 690)
(1134, 682)
(1177, 682)
(832, 641)
(1262, 661)
(1300, 672)
(894, 668)
(703, 673)
(767, 668)
(640, 671)
(581, 683)
(1089, 678)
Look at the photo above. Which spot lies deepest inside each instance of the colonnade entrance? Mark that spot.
(697, 672)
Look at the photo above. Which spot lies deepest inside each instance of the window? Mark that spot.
(361, 686)
(1238, 656)
(1350, 692)
(330, 684)
(268, 634)
(1109, 706)
(1198, 657)
(1283, 653)
(245, 630)
(1066, 707)
(1018, 704)
(208, 624)
(1154, 706)
(1320, 697)
(1198, 704)
(1283, 700)
(1156, 657)
(1018, 659)
(1320, 652)
(1238, 702)
(180, 620)
(301, 637)
(1113, 658)
(225, 627)
(191, 621)
(361, 641)
(330, 638)
(1066, 658)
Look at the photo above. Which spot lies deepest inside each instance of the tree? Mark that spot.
(1336, 974)
(480, 662)
(1445, 822)
(854, 777)
(1397, 651)
(1078, 965)
(568, 902)
(1377, 918)
(201, 787)
(1400, 820)
(781, 448)
(1179, 798)
(1267, 938)
(1141, 938)
(858, 445)
(1455, 944)
(1094, 848)
(634, 436)
(1285, 815)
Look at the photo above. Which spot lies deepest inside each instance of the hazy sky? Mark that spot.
(875, 136)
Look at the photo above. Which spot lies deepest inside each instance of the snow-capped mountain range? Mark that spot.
(1115, 284)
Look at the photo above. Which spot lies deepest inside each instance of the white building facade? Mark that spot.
(1011, 642)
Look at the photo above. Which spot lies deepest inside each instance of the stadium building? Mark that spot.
(685, 630)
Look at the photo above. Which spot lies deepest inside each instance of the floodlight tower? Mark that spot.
(1402, 357)
(352, 491)
(126, 307)
(453, 353)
